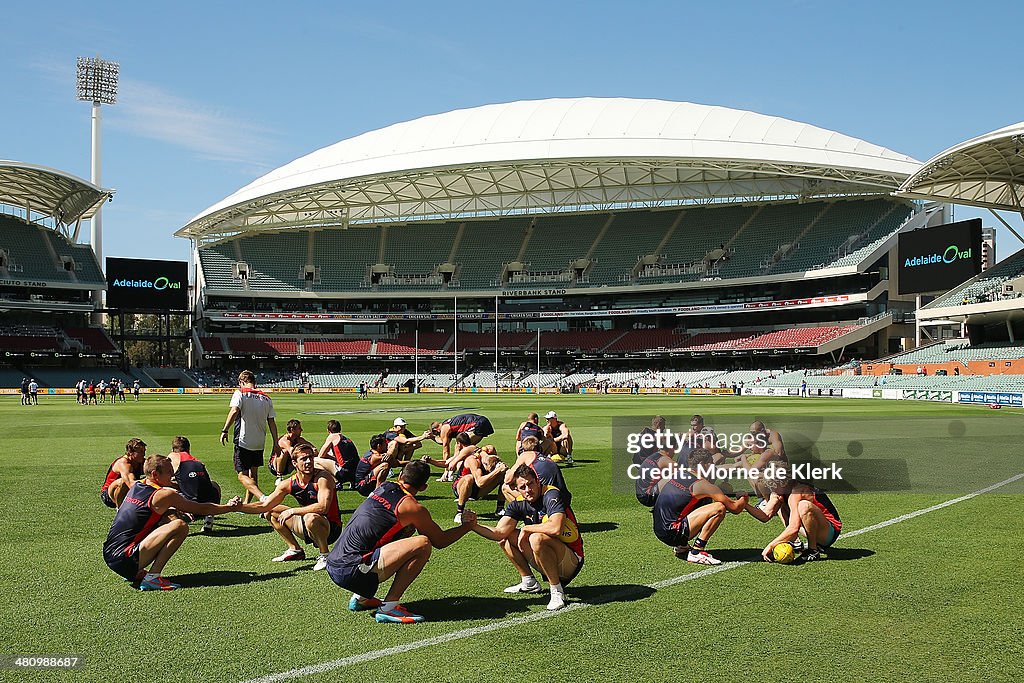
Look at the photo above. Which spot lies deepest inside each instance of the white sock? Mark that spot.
(557, 588)
(529, 580)
(150, 576)
(388, 606)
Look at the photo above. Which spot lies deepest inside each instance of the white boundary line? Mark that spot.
(324, 667)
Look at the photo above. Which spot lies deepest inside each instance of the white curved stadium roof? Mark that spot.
(558, 154)
(49, 193)
(986, 171)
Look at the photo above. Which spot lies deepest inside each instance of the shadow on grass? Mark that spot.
(597, 527)
(596, 595)
(226, 578)
(754, 554)
(232, 531)
(585, 462)
(463, 607)
(848, 553)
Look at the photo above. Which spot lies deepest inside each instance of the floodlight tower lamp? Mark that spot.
(97, 83)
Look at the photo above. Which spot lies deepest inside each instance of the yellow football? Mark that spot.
(783, 553)
(570, 533)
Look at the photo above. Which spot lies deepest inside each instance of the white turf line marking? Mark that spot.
(324, 667)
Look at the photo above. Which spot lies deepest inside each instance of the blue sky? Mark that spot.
(214, 95)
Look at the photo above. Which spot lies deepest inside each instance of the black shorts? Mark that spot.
(675, 536)
(332, 535)
(288, 468)
(107, 500)
(246, 459)
(474, 490)
(483, 428)
(365, 487)
(354, 579)
(125, 566)
(345, 475)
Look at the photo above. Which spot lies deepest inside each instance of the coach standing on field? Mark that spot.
(254, 412)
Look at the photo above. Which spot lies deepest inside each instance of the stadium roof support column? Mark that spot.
(1007, 225)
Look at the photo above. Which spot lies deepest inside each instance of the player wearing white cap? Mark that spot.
(401, 442)
(558, 439)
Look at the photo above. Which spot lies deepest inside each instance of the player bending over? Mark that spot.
(477, 427)
(811, 513)
(549, 540)
(377, 544)
(482, 472)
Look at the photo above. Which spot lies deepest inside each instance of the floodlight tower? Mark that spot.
(97, 83)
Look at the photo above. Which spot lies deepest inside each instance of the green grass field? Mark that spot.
(933, 597)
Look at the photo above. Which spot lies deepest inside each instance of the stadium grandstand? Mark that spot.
(48, 281)
(611, 232)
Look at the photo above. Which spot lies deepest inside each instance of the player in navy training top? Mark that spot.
(142, 535)
(645, 451)
(689, 509)
(529, 427)
(476, 426)
(373, 468)
(549, 540)
(402, 443)
(338, 455)
(377, 544)
(650, 481)
(547, 471)
(317, 520)
(191, 477)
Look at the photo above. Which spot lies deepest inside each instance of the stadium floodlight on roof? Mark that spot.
(97, 80)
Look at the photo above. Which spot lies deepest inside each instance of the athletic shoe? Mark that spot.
(458, 518)
(208, 524)
(557, 602)
(702, 557)
(290, 555)
(398, 615)
(535, 587)
(321, 562)
(798, 546)
(357, 604)
(569, 462)
(811, 555)
(157, 584)
(557, 457)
